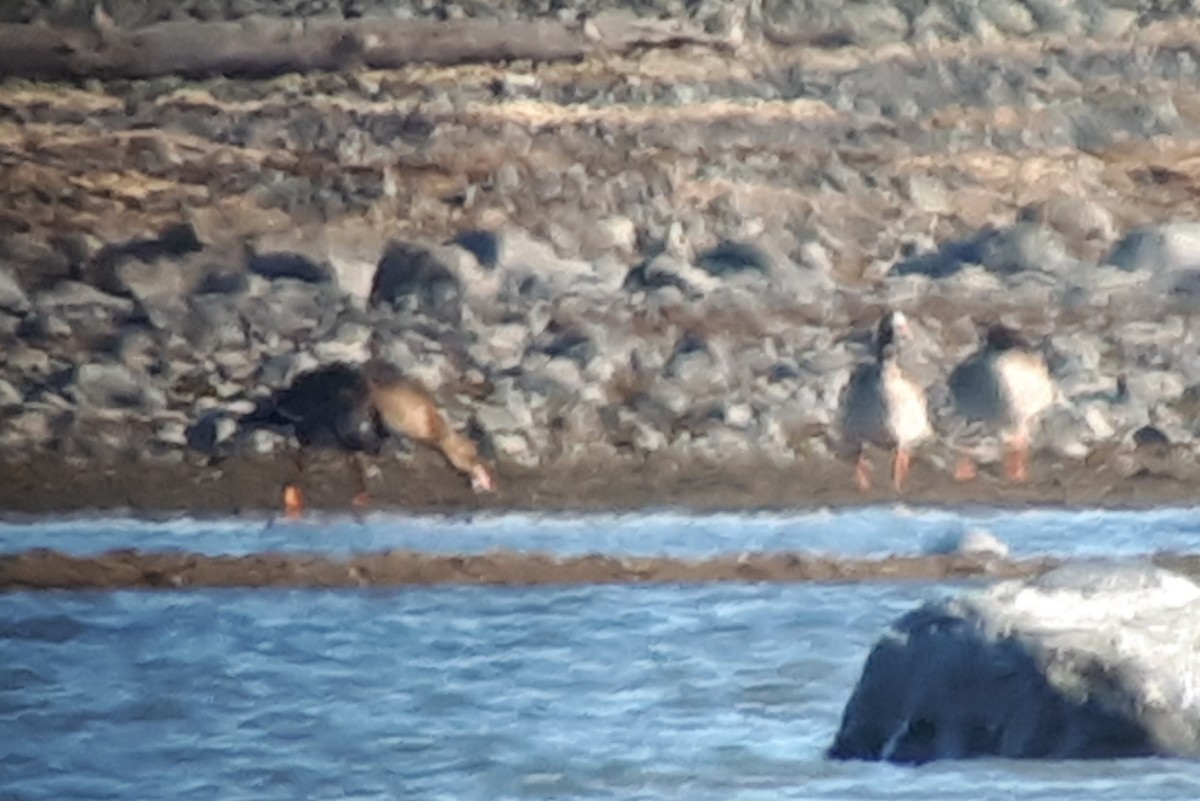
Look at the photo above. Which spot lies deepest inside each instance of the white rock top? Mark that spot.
(1120, 634)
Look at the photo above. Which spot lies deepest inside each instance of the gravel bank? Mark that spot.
(672, 257)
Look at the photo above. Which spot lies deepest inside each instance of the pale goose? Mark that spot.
(1005, 386)
(883, 406)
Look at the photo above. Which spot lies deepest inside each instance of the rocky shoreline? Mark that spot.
(635, 279)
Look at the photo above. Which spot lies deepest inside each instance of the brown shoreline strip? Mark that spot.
(127, 569)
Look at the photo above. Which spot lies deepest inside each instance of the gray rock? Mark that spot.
(13, 299)
(113, 386)
(66, 296)
(138, 350)
(1159, 248)
(172, 433)
(31, 427)
(9, 395)
(212, 323)
(290, 310)
(161, 287)
(278, 371)
(348, 343)
(1087, 661)
(1081, 222)
(262, 442)
(1024, 246)
(28, 361)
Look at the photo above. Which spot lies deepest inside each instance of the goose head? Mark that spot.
(1000, 338)
(892, 331)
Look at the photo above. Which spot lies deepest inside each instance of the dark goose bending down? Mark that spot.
(1005, 386)
(353, 409)
(328, 407)
(883, 406)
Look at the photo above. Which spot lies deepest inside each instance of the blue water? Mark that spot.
(720, 691)
(869, 531)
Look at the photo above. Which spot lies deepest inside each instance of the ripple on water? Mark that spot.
(856, 531)
(696, 692)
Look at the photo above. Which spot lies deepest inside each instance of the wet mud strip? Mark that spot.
(50, 570)
(425, 484)
(128, 569)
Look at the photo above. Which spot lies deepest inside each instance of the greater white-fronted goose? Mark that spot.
(1005, 385)
(883, 406)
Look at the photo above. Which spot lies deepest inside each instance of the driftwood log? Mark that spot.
(263, 46)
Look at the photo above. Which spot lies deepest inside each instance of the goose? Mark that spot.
(1005, 386)
(352, 409)
(407, 408)
(327, 407)
(882, 406)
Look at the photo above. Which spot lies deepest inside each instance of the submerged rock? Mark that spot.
(1087, 661)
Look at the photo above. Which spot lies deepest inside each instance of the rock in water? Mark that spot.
(1087, 661)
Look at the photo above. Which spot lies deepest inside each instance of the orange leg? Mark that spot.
(362, 498)
(901, 464)
(862, 473)
(293, 502)
(1016, 461)
(965, 469)
(293, 497)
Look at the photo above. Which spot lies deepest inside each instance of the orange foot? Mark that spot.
(1016, 465)
(862, 474)
(965, 469)
(361, 499)
(900, 469)
(293, 502)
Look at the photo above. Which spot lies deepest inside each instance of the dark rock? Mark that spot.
(783, 371)
(410, 278)
(1087, 661)
(533, 287)
(566, 342)
(282, 265)
(326, 407)
(950, 257)
(650, 275)
(729, 258)
(691, 348)
(1149, 436)
(485, 245)
(210, 432)
(222, 282)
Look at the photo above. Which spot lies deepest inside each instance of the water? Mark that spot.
(872, 531)
(721, 691)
